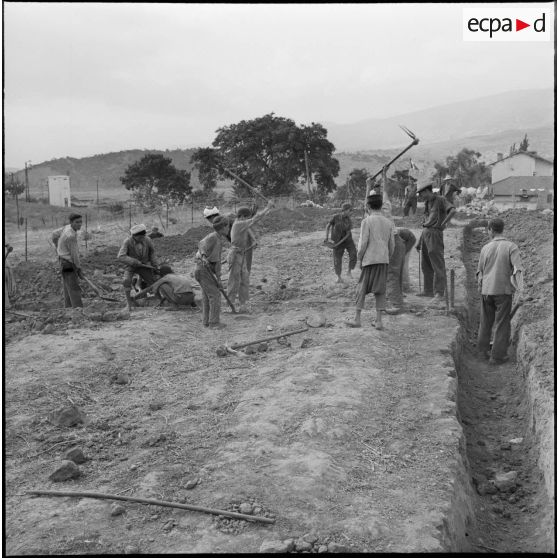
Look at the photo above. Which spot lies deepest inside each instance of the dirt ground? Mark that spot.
(350, 439)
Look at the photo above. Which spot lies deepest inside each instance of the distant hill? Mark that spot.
(514, 110)
(107, 168)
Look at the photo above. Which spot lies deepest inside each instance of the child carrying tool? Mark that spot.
(208, 268)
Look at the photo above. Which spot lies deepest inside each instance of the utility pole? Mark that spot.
(307, 173)
(17, 201)
(27, 197)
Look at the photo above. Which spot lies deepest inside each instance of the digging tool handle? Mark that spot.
(447, 292)
(251, 188)
(241, 345)
(216, 281)
(98, 291)
(152, 503)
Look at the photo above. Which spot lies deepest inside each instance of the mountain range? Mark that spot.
(513, 110)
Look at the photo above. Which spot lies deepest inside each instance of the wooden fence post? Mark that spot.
(25, 238)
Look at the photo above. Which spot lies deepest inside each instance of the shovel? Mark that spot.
(98, 291)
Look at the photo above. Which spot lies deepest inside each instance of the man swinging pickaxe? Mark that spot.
(385, 167)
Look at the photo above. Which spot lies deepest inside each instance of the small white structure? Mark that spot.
(59, 191)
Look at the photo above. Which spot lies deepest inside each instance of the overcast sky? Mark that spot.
(83, 79)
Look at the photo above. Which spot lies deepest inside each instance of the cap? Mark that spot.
(138, 228)
(346, 206)
(208, 212)
(447, 177)
(244, 212)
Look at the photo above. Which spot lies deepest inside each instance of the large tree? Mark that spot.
(13, 186)
(154, 179)
(272, 153)
(465, 168)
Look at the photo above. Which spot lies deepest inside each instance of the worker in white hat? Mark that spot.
(138, 253)
(210, 213)
(437, 212)
(449, 188)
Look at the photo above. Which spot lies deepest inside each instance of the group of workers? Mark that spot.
(382, 253)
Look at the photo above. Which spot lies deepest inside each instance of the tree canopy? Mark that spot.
(465, 168)
(154, 179)
(269, 153)
(13, 186)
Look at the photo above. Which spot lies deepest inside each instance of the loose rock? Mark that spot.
(67, 416)
(117, 509)
(131, 550)
(262, 347)
(246, 508)
(68, 470)
(250, 350)
(322, 549)
(76, 455)
(505, 482)
(277, 546)
(192, 483)
(302, 545)
(122, 378)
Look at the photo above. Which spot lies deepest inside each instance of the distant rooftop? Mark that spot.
(513, 184)
(532, 154)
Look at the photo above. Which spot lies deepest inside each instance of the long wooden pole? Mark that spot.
(249, 186)
(152, 502)
(25, 238)
(241, 345)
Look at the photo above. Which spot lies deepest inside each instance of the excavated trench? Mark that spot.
(504, 485)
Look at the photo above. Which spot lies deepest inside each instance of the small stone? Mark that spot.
(117, 509)
(257, 510)
(302, 545)
(155, 405)
(49, 328)
(67, 416)
(505, 481)
(250, 350)
(168, 526)
(262, 347)
(269, 328)
(306, 342)
(221, 351)
(192, 483)
(76, 455)
(486, 488)
(276, 546)
(68, 470)
(516, 440)
(336, 547)
(322, 548)
(122, 378)
(310, 538)
(246, 508)
(131, 550)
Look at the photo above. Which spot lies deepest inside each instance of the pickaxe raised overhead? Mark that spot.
(412, 144)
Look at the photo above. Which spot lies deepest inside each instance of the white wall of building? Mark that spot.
(59, 191)
(520, 165)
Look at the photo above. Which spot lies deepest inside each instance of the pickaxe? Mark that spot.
(251, 188)
(412, 144)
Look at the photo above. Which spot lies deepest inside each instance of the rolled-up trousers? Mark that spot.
(166, 292)
(433, 263)
(495, 313)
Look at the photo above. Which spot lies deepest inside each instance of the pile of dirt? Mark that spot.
(302, 219)
(36, 282)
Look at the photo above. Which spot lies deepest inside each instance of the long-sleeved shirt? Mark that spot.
(498, 261)
(377, 239)
(133, 250)
(67, 247)
(435, 211)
